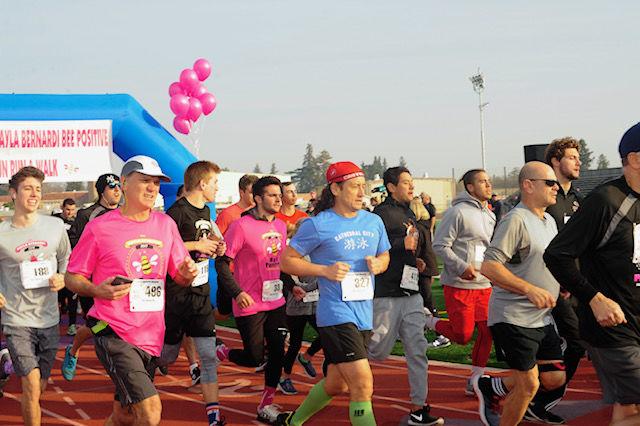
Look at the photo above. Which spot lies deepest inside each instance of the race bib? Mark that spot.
(36, 274)
(271, 290)
(203, 273)
(357, 286)
(311, 296)
(146, 296)
(480, 250)
(409, 278)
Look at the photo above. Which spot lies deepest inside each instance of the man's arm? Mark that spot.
(444, 239)
(294, 263)
(581, 234)
(499, 275)
(79, 284)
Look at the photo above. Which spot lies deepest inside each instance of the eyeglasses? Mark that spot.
(113, 185)
(549, 182)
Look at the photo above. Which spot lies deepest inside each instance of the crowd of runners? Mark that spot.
(551, 280)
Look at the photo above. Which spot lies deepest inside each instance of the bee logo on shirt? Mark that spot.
(145, 265)
(272, 241)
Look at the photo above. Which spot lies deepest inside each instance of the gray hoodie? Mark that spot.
(461, 239)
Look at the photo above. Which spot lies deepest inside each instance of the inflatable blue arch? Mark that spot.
(135, 132)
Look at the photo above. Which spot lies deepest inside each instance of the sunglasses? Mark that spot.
(549, 182)
(113, 185)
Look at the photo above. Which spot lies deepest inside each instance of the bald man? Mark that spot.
(523, 295)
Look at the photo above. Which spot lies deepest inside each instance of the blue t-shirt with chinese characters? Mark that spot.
(329, 238)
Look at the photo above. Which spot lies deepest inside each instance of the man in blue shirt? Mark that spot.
(347, 247)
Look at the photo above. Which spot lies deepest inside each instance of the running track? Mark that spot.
(88, 398)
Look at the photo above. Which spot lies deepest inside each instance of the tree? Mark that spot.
(402, 162)
(274, 170)
(586, 155)
(322, 164)
(376, 168)
(256, 169)
(305, 175)
(603, 162)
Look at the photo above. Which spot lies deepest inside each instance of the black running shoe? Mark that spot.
(284, 419)
(542, 416)
(422, 417)
(489, 402)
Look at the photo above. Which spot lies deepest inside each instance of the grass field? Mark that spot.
(454, 353)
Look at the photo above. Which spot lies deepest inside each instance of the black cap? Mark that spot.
(108, 179)
(630, 141)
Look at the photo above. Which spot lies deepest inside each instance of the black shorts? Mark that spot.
(131, 369)
(619, 373)
(522, 347)
(189, 314)
(344, 343)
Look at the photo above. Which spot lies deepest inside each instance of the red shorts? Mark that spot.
(465, 308)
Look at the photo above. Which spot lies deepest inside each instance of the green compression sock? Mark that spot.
(361, 413)
(314, 402)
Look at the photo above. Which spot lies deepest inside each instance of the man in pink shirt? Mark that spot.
(255, 243)
(121, 261)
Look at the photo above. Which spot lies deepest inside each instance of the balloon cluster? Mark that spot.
(189, 98)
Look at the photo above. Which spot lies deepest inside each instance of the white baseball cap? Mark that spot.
(145, 165)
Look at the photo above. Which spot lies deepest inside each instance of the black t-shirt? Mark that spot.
(431, 209)
(566, 205)
(609, 269)
(193, 224)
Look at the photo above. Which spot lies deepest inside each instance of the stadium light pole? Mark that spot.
(478, 86)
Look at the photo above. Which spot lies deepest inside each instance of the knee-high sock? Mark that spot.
(314, 402)
(482, 347)
(361, 414)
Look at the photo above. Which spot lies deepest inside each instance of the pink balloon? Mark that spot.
(179, 105)
(208, 102)
(189, 79)
(182, 125)
(198, 91)
(175, 89)
(202, 67)
(195, 109)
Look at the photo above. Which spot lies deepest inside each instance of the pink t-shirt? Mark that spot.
(255, 247)
(114, 245)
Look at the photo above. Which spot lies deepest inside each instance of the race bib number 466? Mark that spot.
(146, 296)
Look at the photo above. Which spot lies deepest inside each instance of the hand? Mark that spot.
(3, 301)
(56, 282)
(411, 240)
(298, 292)
(374, 264)
(244, 300)
(421, 264)
(188, 269)
(337, 271)
(540, 297)
(207, 246)
(105, 290)
(469, 273)
(222, 248)
(607, 312)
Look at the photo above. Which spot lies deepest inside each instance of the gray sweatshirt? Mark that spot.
(461, 239)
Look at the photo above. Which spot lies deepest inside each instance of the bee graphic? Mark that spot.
(274, 248)
(145, 264)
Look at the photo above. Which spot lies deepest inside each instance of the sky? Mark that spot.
(357, 78)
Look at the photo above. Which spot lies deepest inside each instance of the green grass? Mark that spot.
(455, 353)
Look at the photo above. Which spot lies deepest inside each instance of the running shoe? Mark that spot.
(195, 376)
(489, 402)
(268, 414)
(543, 416)
(4, 377)
(260, 368)
(284, 419)
(286, 387)
(69, 364)
(422, 417)
(71, 331)
(468, 391)
(308, 366)
(438, 343)
(222, 351)
(163, 370)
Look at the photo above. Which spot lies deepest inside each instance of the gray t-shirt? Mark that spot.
(20, 250)
(519, 243)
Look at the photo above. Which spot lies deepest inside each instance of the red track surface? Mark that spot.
(87, 400)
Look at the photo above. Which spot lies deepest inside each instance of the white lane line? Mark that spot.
(82, 414)
(48, 412)
(69, 401)
(58, 390)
